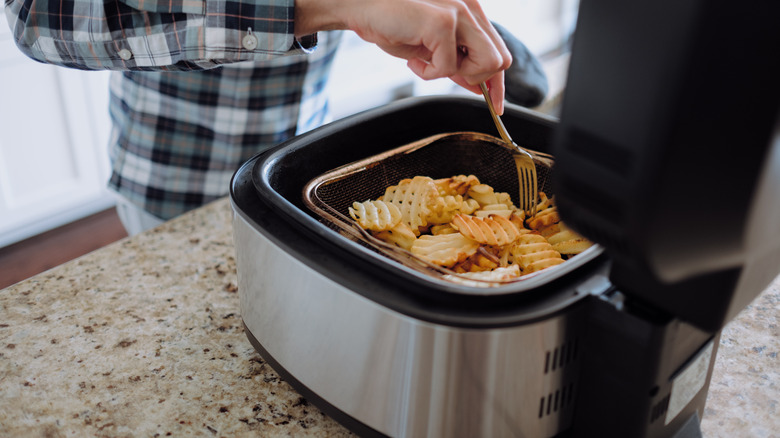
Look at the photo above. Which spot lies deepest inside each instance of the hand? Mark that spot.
(438, 38)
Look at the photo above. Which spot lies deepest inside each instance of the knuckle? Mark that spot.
(447, 19)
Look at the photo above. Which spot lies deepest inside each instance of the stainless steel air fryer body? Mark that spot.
(388, 351)
(399, 375)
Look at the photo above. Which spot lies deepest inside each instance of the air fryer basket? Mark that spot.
(279, 178)
(440, 156)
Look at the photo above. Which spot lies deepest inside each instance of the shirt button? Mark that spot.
(249, 42)
(125, 54)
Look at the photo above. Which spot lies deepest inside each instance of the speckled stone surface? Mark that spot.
(144, 338)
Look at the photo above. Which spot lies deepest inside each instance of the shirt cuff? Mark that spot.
(306, 43)
(246, 29)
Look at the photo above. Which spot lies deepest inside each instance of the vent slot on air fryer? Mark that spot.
(557, 401)
(561, 356)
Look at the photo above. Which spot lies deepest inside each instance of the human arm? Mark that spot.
(438, 38)
(153, 34)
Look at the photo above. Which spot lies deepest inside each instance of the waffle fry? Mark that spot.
(493, 230)
(544, 218)
(480, 261)
(496, 275)
(552, 230)
(529, 244)
(564, 240)
(485, 195)
(375, 215)
(532, 253)
(469, 206)
(572, 246)
(548, 223)
(558, 233)
(497, 209)
(444, 249)
(518, 218)
(544, 202)
(413, 197)
(444, 208)
(456, 185)
(542, 264)
(443, 229)
(400, 235)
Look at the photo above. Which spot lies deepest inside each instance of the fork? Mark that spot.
(526, 168)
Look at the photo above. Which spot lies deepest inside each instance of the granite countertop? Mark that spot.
(144, 338)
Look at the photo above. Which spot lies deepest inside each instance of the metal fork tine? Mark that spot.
(524, 191)
(528, 185)
(534, 194)
(530, 191)
(527, 190)
(526, 168)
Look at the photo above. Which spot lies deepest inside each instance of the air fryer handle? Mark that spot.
(525, 80)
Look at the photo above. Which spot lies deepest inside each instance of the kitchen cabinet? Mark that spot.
(54, 127)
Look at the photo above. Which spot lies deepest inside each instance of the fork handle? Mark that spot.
(499, 124)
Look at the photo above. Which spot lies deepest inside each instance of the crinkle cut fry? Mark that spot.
(532, 252)
(456, 185)
(400, 235)
(444, 249)
(375, 215)
(494, 230)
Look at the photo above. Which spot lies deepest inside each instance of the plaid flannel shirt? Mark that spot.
(204, 85)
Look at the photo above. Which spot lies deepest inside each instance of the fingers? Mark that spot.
(441, 41)
(462, 27)
(438, 38)
(467, 49)
(495, 86)
(486, 51)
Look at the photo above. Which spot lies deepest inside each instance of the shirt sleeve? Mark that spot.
(154, 34)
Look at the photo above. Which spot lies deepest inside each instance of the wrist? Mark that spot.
(312, 16)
